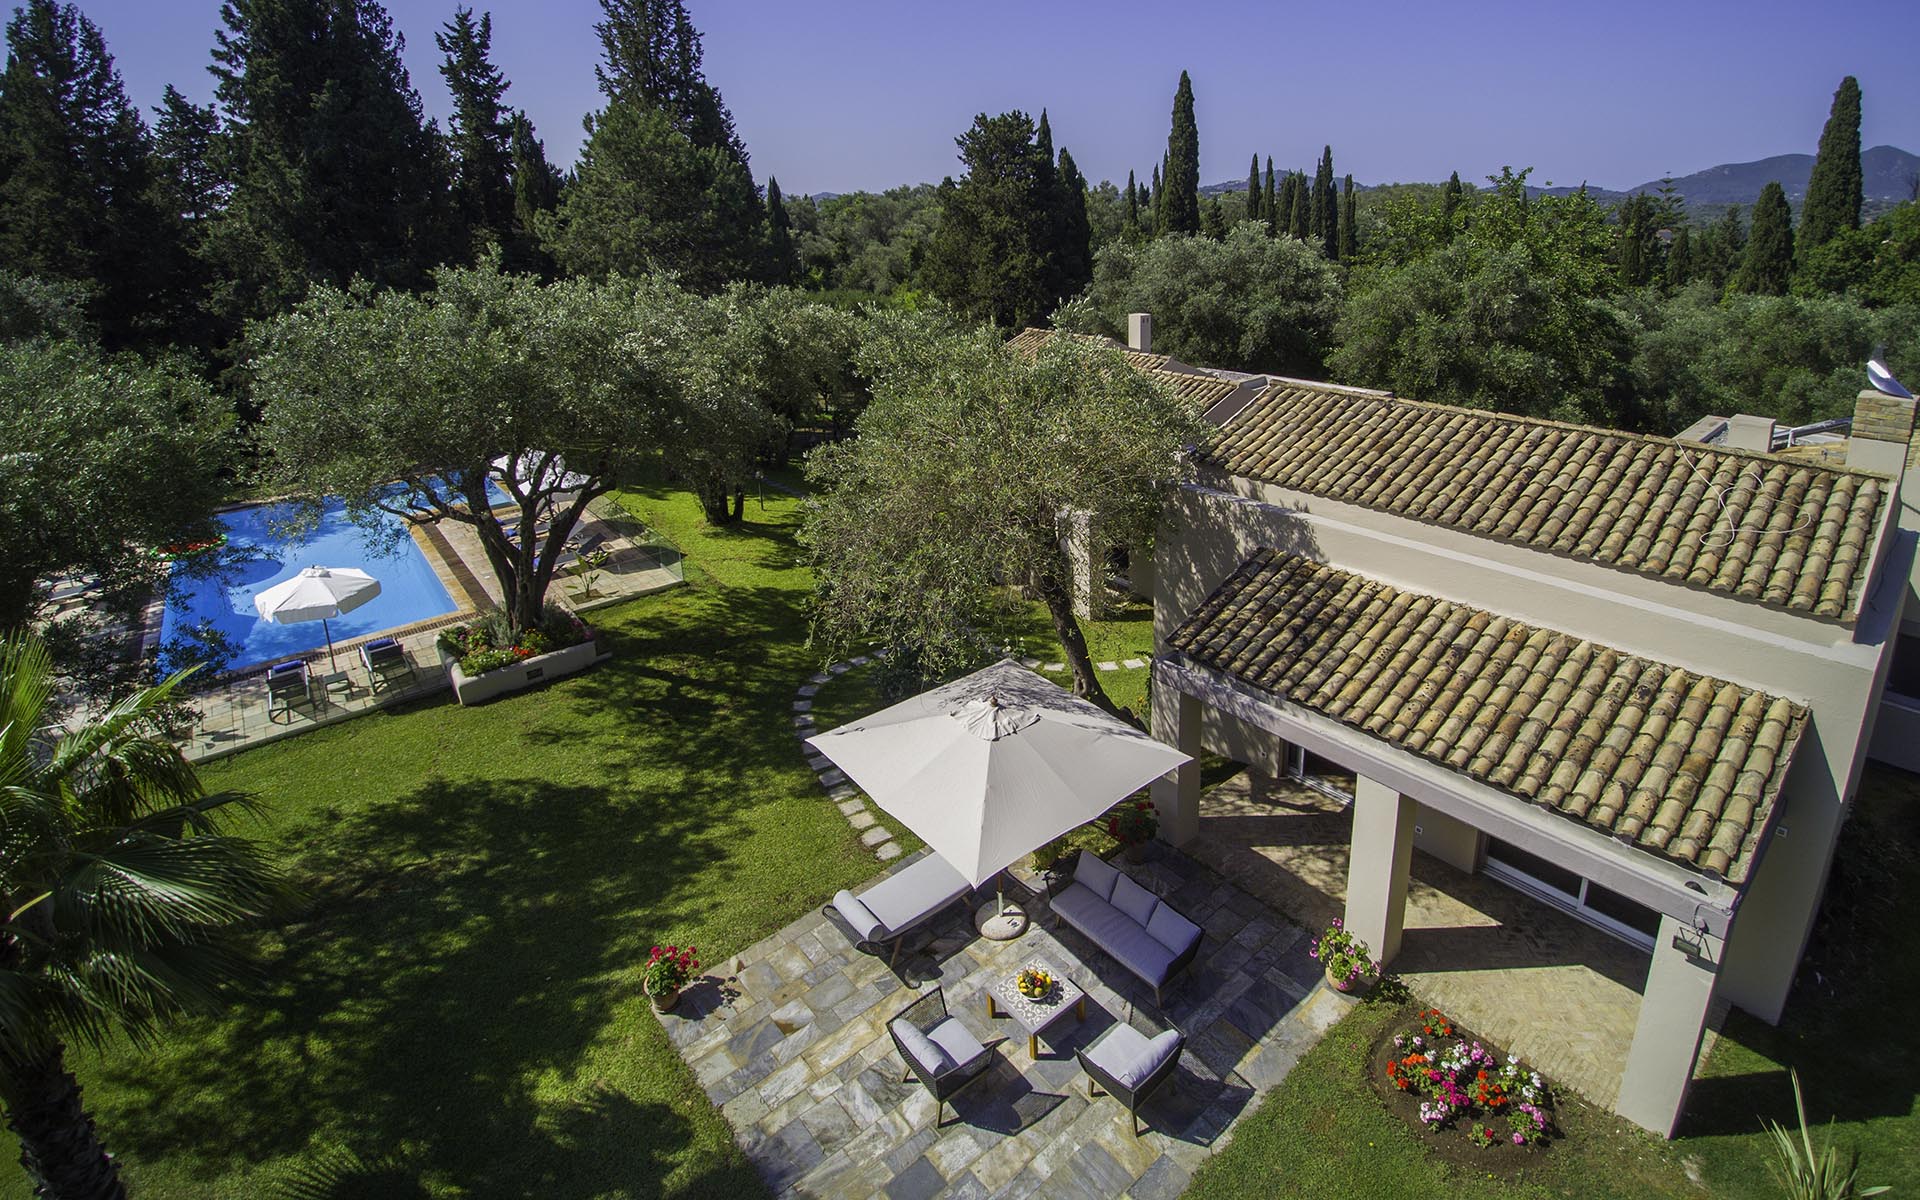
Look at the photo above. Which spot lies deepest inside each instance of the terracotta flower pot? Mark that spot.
(1134, 852)
(1344, 984)
(664, 999)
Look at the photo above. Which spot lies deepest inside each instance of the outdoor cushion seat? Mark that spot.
(386, 662)
(897, 905)
(937, 1049)
(1131, 1065)
(1136, 928)
(288, 685)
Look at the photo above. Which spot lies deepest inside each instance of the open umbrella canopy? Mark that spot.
(316, 594)
(992, 765)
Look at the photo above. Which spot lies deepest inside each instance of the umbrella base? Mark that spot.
(998, 922)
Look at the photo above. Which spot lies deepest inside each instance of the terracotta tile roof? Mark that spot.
(1198, 388)
(1678, 764)
(1029, 341)
(1792, 534)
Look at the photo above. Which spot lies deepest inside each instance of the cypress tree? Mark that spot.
(478, 132)
(334, 172)
(536, 192)
(1254, 201)
(652, 58)
(1133, 209)
(1449, 204)
(1326, 206)
(1768, 265)
(1834, 189)
(1300, 223)
(1270, 203)
(783, 264)
(1349, 232)
(76, 176)
(992, 255)
(1073, 249)
(1213, 223)
(1182, 178)
(1158, 208)
(1680, 258)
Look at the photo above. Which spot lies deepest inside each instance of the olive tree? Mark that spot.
(958, 477)
(411, 404)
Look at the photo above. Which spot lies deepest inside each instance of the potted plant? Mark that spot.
(1133, 825)
(667, 972)
(1047, 855)
(1346, 959)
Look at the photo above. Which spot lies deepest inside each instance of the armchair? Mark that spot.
(937, 1049)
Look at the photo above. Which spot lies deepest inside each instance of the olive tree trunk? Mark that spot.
(1086, 682)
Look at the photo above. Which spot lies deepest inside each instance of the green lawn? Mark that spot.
(460, 997)
(1325, 1134)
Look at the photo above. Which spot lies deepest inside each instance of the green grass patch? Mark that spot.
(459, 997)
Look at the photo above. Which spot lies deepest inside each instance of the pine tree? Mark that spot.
(1073, 249)
(783, 261)
(1182, 177)
(479, 132)
(662, 182)
(334, 172)
(1768, 266)
(1326, 206)
(1349, 232)
(1834, 189)
(991, 255)
(184, 137)
(1270, 203)
(192, 194)
(1133, 210)
(76, 177)
(1254, 202)
(536, 192)
(1300, 223)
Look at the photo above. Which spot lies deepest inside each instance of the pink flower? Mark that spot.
(1519, 1139)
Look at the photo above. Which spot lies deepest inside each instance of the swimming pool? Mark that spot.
(216, 591)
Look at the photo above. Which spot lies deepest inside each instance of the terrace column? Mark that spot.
(1673, 1019)
(1176, 795)
(1381, 856)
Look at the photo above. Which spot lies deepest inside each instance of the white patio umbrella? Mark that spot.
(317, 594)
(990, 766)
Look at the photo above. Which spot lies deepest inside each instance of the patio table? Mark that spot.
(1034, 1015)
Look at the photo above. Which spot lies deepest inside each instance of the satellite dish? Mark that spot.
(1883, 381)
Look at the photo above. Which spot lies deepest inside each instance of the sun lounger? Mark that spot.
(387, 663)
(902, 902)
(288, 686)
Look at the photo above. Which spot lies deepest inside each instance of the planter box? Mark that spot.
(520, 676)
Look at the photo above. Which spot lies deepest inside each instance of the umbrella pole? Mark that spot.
(331, 664)
(1001, 922)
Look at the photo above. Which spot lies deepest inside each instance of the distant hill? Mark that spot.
(1889, 174)
(823, 197)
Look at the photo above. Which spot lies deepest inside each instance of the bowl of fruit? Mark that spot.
(1035, 984)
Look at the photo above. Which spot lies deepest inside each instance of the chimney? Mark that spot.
(1140, 332)
(1882, 436)
(1749, 433)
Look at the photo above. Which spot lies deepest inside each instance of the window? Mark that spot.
(1554, 884)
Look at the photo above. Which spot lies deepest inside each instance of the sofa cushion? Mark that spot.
(1132, 899)
(914, 893)
(1172, 930)
(1078, 906)
(926, 1053)
(1094, 873)
(955, 1040)
(865, 925)
(1139, 1059)
(1137, 950)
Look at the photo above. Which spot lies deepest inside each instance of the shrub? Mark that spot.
(1133, 823)
(1346, 958)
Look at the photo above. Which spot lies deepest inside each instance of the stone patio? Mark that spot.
(790, 1040)
(1491, 957)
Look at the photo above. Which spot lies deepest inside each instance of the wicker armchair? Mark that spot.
(938, 1050)
(1131, 1065)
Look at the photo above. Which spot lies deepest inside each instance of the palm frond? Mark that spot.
(147, 890)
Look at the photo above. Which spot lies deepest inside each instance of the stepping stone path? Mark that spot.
(840, 789)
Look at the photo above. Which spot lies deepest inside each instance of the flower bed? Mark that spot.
(1460, 1090)
(489, 645)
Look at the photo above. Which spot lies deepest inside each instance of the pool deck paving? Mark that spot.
(234, 713)
(789, 1040)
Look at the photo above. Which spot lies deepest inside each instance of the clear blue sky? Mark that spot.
(866, 94)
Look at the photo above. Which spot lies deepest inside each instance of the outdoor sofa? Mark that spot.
(1130, 1065)
(1137, 929)
(897, 905)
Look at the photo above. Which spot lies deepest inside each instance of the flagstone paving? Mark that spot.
(789, 1039)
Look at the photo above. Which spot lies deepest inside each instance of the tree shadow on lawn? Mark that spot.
(469, 951)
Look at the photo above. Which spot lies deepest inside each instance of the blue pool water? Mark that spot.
(218, 589)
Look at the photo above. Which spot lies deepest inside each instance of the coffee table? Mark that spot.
(1004, 1000)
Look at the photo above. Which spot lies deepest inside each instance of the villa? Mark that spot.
(1634, 679)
